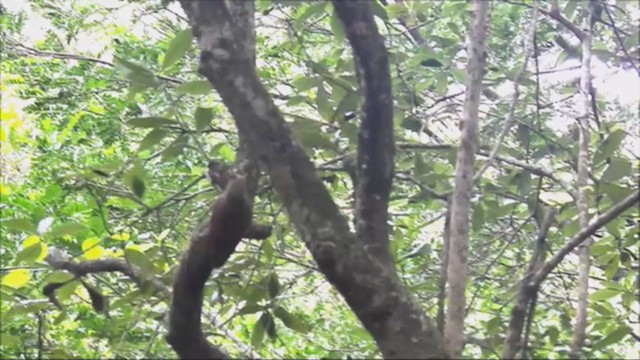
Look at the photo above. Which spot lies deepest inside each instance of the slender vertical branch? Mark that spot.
(461, 201)
(442, 280)
(584, 164)
(528, 50)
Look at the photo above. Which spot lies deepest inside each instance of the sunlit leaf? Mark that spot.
(91, 248)
(121, 236)
(16, 278)
(32, 250)
(604, 294)
(613, 337)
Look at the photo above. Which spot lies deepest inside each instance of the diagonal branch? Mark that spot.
(583, 235)
(375, 138)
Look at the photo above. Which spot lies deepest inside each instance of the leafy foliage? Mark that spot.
(107, 127)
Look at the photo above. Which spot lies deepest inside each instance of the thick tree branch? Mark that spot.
(375, 139)
(370, 287)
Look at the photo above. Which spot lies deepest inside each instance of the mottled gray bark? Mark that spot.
(461, 197)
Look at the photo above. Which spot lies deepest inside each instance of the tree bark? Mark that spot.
(461, 203)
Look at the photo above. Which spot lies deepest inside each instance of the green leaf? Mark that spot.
(196, 87)
(617, 169)
(267, 250)
(71, 228)
(441, 84)
(59, 354)
(378, 10)
(524, 183)
(18, 224)
(348, 103)
(250, 309)
(493, 325)
(151, 122)
(30, 253)
(273, 285)
(257, 337)
(309, 133)
(140, 260)
(65, 291)
(420, 167)
(324, 106)
(615, 192)
(291, 321)
(203, 118)
(459, 75)
(613, 337)
(59, 276)
(609, 146)
(151, 139)
(130, 66)
(477, 217)
(304, 83)
(604, 294)
(553, 334)
(396, 10)
(336, 28)
(315, 8)
(8, 340)
(178, 46)
(175, 148)
(632, 41)
(139, 76)
(253, 293)
(570, 8)
(138, 186)
(270, 326)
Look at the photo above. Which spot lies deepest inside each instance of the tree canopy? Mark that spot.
(429, 179)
